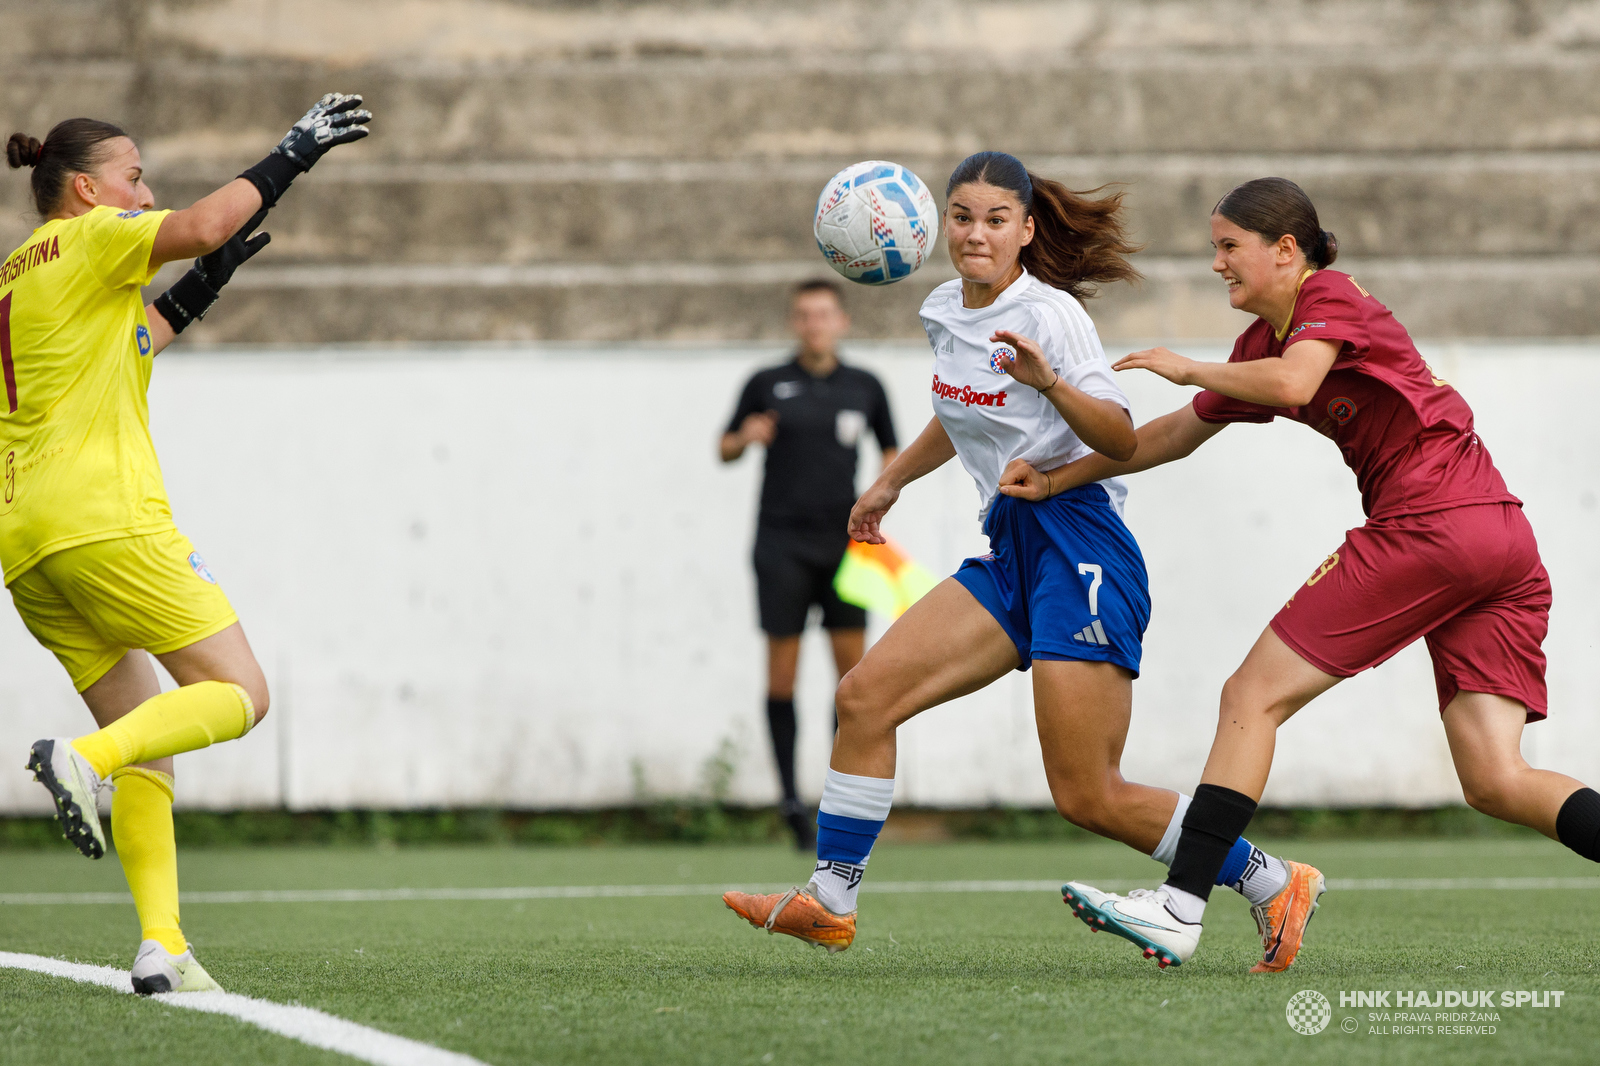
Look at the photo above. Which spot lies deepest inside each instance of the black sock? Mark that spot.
(1215, 819)
(780, 720)
(1578, 824)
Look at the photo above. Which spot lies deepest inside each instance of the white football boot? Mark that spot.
(155, 970)
(1141, 916)
(73, 785)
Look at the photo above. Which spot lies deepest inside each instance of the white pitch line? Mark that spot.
(405, 895)
(305, 1024)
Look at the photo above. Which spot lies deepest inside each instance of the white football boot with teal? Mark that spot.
(73, 785)
(1141, 916)
(156, 970)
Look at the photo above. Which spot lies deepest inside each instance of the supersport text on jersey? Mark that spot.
(992, 418)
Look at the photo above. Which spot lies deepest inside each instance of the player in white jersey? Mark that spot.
(1018, 373)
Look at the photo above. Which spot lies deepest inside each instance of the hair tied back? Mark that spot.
(23, 151)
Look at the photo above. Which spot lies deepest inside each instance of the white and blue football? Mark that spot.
(876, 222)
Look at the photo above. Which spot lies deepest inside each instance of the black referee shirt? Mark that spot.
(810, 477)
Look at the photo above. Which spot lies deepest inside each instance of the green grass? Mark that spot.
(931, 979)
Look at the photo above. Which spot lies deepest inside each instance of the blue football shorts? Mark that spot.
(1064, 578)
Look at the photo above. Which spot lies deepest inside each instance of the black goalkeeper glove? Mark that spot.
(194, 293)
(335, 119)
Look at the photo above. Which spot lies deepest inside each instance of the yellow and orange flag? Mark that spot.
(881, 578)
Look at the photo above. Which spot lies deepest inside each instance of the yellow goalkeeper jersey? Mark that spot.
(77, 463)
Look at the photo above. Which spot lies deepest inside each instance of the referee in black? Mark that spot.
(809, 414)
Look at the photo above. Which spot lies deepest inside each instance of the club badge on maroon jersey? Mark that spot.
(1341, 409)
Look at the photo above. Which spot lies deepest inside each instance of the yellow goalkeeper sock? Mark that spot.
(187, 718)
(141, 826)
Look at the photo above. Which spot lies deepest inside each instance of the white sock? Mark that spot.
(835, 884)
(1167, 850)
(1185, 906)
(1264, 877)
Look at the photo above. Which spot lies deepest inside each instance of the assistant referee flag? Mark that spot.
(881, 577)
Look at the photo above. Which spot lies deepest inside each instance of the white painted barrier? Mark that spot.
(520, 577)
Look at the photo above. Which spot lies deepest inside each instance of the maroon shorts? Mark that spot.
(1468, 580)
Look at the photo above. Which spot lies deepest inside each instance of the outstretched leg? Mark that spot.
(1270, 686)
(945, 646)
(905, 673)
(141, 826)
(1082, 710)
(222, 694)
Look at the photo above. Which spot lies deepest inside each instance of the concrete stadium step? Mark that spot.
(1485, 100)
(1415, 205)
(1435, 298)
(647, 170)
(353, 31)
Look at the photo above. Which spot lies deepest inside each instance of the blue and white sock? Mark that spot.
(1253, 873)
(1248, 870)
(851, 815)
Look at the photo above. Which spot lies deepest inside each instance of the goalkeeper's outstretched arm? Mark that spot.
(336, 119)
(220, 229)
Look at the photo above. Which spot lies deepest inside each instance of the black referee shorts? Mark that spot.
(794, 569)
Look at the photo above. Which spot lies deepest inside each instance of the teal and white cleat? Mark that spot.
(1141, 917)
(73, 785)
(157, 970)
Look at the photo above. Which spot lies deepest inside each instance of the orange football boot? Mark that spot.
(1282, 921)
(795, 913)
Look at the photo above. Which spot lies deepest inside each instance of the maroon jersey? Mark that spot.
(1406, 433)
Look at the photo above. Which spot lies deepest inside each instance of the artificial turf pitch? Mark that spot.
(932, 978)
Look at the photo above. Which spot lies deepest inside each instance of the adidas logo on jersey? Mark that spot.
(1092, 634)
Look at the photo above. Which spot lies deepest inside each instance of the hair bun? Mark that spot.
(23, 151)
(1330, 249)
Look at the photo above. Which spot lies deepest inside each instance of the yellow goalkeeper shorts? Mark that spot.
(90, 604)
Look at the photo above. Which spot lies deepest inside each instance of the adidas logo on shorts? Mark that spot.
(1092, 634)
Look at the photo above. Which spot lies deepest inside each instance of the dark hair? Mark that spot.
(1273, 207)
(1078, 242)
(818, 285)
(71, 147)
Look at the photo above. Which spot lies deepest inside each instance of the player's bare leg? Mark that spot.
(912, 669)
(849, 645)
(1083, 710)
(1270, 685)
(224, 656)
(905, 673)
(1485, 735)
(1267, 689)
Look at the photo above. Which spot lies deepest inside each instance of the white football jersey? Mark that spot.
(990, 416)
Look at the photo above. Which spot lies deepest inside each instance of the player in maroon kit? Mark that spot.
(1446, 554)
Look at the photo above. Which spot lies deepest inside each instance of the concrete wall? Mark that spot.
(628, 171)
(518, 576)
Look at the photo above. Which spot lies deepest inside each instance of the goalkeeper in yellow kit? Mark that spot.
(95, 565)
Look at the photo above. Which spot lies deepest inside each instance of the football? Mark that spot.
(876, 222)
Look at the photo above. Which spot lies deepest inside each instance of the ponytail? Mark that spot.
(71, 147)
(1273, 207)
(1078, 242)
